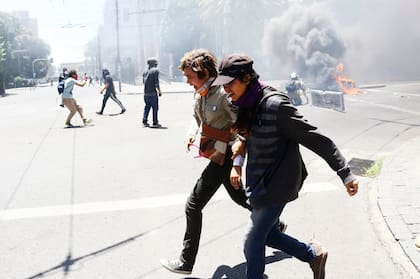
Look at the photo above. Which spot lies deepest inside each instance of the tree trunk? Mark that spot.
(2, 87)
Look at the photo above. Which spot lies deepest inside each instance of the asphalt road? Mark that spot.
(107, 201)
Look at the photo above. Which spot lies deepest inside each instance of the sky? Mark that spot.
(67, 44)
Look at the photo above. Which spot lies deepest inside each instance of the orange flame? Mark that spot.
(347, 86)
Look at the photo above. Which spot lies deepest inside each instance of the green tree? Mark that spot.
(14, 40)
(8, 30)
(36, 48)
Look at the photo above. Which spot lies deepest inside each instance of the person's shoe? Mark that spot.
(61, 105)
(69, 125)
(318, 262)
(123, 110)
(176, 266)
(157, 125)
(282, 226)
(98, 112)
(87, 121)
(145, 124)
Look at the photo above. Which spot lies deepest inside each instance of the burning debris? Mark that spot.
(346, 85)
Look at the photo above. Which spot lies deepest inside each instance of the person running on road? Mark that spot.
(275, 170)
(109, 92)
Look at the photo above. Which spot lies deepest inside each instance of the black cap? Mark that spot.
(152, 61)
(233, 66)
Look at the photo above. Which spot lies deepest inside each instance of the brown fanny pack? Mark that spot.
(213, 143)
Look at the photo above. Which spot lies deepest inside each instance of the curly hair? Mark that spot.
(199, 60)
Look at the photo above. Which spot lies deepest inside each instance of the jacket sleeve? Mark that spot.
(157, 79)
(195, 121)
(292, 125)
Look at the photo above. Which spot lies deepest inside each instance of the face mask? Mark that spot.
(203, 89)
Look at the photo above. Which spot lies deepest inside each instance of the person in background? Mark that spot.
(109, 92)
(151, 92)
(64, 75)
(275, 170)
(295, 89)
(68, 100)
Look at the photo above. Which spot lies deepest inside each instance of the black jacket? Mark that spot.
(275, 169)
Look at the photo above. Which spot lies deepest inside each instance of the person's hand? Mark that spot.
(188, 141)
(352, 187)
(238, 148)
(236, 177)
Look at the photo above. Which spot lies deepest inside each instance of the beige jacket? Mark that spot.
(214, 109)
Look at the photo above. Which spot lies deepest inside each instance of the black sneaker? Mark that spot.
(61, 105)
(176, 266)
(157, 125)
(145, 124)
(98, 112)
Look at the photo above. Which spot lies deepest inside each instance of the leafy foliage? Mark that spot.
(18, 49)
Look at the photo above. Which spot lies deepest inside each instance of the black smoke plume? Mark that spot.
(304, 40)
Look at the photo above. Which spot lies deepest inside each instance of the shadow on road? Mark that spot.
(69, 262)
(238, 271)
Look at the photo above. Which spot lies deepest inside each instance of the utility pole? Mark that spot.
(98, 57)
(118, 62)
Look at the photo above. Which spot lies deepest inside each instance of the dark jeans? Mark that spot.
(264, 230)
(114, 98)
(211, 178)
(151, 102)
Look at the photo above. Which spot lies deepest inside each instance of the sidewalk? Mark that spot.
(399, 197)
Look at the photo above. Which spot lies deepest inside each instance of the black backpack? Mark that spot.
(61, 82)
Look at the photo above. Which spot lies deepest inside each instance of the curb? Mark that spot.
(398, 198)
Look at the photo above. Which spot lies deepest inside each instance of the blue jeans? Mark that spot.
(151, 102)
(263, 230)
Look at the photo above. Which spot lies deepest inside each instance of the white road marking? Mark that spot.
(121, 205)
(385, 106)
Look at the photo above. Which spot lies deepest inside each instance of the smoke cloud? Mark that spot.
(383, 40)
(304, 40)
(377, 42)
